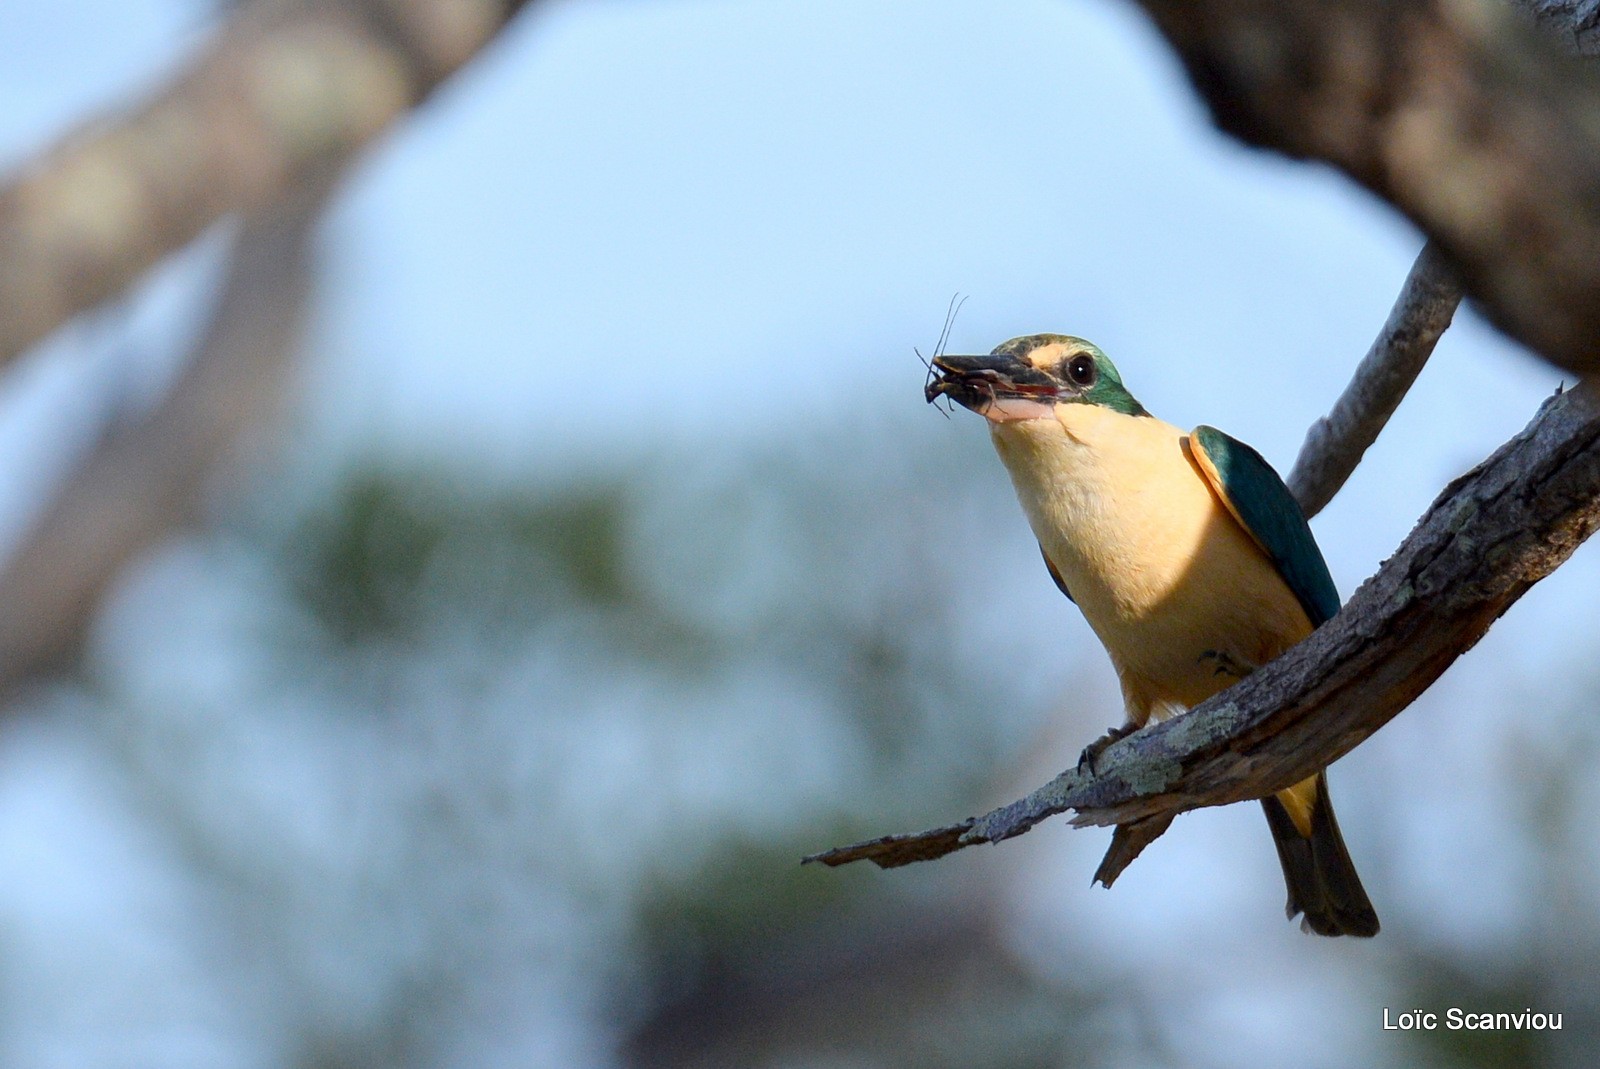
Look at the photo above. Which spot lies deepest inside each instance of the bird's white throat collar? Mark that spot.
(1012, 409)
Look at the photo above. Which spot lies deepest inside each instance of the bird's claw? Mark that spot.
(1226, 665)
(1092, 751)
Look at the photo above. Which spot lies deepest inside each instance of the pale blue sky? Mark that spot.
(751, 213)
(742, 217)
(717, 222)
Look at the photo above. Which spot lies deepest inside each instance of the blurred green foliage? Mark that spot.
(1440, 983)
(365, 556)
(643, 696)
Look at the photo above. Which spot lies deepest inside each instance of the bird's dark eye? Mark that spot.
(1081, 370)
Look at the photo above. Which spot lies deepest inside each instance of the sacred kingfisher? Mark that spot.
(1186, 553)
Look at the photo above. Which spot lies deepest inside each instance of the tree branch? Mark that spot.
(140, 481)
(1459, 112)
(286, 90)
(1336, 443)
(1573, 23)
(1483, 543)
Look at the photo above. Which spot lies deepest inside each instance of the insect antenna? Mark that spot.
(950, 313)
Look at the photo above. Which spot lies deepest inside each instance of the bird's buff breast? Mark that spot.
(1161, 570)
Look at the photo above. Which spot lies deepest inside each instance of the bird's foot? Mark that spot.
(1225, 664)
(1092, 751)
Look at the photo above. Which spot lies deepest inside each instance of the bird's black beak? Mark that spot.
(977, 382)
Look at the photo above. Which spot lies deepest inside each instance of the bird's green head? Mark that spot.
(1026, 377)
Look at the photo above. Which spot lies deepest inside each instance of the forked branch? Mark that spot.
(1481, 130)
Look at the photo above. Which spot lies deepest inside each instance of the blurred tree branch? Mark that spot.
(262, 124)
(287, 90)
(1459, 112)
(1336, 443)
(140, 481)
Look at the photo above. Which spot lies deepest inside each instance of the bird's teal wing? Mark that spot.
(1055, 573)
(1256, 496)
